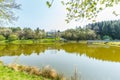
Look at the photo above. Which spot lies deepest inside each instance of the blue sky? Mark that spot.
(35, 13)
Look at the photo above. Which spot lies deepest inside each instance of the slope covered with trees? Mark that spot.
(96, 31)
(106, 28)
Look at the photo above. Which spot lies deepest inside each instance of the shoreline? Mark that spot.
(93, 42)
(23, 72)
(7, 73)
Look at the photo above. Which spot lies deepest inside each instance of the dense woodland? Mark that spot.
(106, 28)
(96, 31)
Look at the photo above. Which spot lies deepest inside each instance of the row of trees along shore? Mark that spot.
(14, 33)
(95, 31)
(109, 30)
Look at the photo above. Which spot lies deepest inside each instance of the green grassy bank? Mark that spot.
(9, 74)
(54, 41)
(31, 41)
(110, 43)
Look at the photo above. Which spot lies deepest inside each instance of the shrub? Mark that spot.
(2, 37)
(12, 37)
(106, 37)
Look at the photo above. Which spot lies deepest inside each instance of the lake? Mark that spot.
(92, 62)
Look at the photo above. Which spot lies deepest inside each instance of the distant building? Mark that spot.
(50, 34)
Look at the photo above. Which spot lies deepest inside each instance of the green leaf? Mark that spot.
(83, 15)
(76, 4)
(113, 0)
(62, 2)
(115, 13)
(102, 2)
(75, 11)
(48, 4)
(94, 20)
(68, 9)
(94, 3)
(67, 20)
(100, 8)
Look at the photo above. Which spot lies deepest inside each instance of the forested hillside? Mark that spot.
(106, 28)
(96, 31)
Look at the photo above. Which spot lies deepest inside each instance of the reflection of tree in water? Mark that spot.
(9, 50)
(12, 50)
(93, 51)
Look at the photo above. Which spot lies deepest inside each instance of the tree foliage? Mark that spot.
(109, 28)
(77, 9)
(96, 31)
(89, 9)
(13, 33)
(106, 37)
(12, 37)
(2, 37)
(79, 34)
(7, 11)
(106, 30)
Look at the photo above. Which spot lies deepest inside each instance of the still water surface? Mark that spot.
(92, 62)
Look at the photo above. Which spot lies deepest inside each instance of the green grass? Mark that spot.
(49, 40)
(117, 44)
(53, 40)
(3, 42)
(39, 41)
(9, 74)
(22, 42)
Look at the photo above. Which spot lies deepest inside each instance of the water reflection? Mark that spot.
(105, 53)
(16, 50)
(92, 62)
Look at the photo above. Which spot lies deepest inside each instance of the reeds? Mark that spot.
(46, 71)
(75, 75)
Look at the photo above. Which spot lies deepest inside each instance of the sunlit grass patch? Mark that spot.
(113, 43)
(22, 42)
(10, 74)
(3, 42)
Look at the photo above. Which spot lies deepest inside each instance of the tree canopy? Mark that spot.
(89, 9)
(106, 28)
(7, 10)
(77, 9)
(96, 31)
